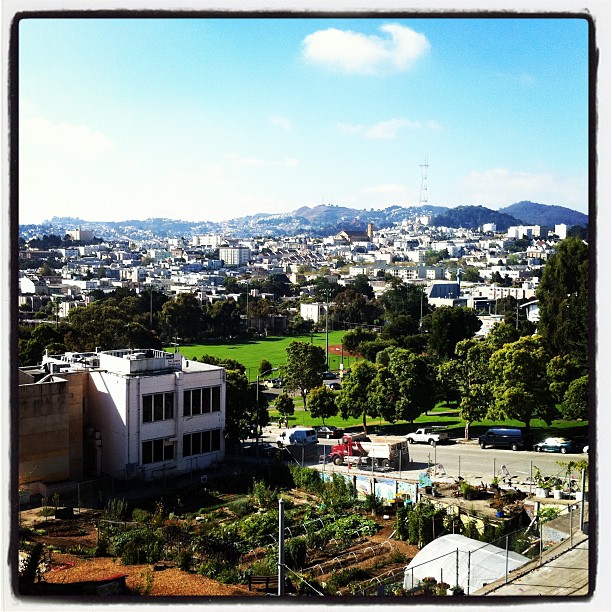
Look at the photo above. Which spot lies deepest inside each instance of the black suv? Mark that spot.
(504, 437)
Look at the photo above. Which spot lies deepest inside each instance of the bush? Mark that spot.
(306, 479)
(138, 546)
(141, 516)
(295, 553)
(241, 507)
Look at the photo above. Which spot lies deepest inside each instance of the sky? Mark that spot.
(212, 119)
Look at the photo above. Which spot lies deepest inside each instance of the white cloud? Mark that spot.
(502, 187)
(62, 138)
(383, 130)
(358, 53)
(281, 121)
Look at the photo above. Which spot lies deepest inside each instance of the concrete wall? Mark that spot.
(44, 432)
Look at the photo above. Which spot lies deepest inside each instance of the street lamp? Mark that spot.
(257, 404)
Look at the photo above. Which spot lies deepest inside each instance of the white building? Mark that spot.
(155, 413)
(313, 311)
(234, 256)
(561, 230)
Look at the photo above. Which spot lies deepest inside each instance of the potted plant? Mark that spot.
(469, 492)
(542, 486)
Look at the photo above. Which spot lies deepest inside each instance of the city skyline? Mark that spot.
(213, 119)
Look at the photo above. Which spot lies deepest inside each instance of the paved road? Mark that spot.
(467, 460)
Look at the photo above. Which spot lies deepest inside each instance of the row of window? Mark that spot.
(196, 443)
(160, 406)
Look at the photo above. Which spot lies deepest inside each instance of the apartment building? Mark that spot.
(129, 412)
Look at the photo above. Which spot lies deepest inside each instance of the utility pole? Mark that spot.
(281, 547)
(326, 330)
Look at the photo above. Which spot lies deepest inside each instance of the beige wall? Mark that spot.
(51, 428)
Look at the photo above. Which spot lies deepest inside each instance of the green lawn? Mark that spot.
(441, 415)
(250, 352)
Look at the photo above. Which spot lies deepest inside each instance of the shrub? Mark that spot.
(141, 516)
(241, 507)
(295, 553)
(264, 496)
(138, 546)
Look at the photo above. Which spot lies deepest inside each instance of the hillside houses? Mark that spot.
(200, 264)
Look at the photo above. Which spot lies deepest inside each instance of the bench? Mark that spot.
(269, 583)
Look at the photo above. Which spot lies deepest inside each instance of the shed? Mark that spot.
(461, 561)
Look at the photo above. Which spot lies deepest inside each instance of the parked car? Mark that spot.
(273, 383)
(263, 449)
(328, 376)
(504, 437)
(323, 431)
(333, 385)
(556, 445)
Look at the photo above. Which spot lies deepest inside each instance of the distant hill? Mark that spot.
(321, 220)
(474, 217)
(531, 213)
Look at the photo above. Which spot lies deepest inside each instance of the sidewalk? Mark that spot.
(564, 572)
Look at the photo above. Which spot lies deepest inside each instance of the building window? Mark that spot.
(201, 442)
(154, 451)
(157, 407)
(201, 401)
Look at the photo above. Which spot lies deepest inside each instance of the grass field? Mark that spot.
(250, 353)
(273, 348)
(441, 415)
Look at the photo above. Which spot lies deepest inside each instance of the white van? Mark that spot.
(297, 435)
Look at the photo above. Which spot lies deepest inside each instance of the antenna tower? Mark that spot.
(423, 192)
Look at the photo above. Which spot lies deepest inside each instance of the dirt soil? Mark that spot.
(165, 580)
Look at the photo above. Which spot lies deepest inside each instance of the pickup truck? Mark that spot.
(430, 435)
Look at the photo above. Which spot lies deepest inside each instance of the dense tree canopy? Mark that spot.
(355, 397)
(305, 366)
(447, 325)
(519, 382)
(322, 403)
(563, 300)
(403, 388)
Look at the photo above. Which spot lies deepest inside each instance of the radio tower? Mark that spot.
(423, 192)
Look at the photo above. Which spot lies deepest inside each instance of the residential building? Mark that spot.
(121, 413)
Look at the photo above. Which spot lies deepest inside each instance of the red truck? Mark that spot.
(381, 454)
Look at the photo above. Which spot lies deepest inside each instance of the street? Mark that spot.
(466, 460)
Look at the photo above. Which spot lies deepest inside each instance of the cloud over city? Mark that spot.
(395, 51)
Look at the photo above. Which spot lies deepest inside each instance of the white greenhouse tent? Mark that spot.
(461, 561)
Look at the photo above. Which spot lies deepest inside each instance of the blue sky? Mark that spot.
(211, 119)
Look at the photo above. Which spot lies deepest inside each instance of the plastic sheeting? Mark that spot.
(461, 561)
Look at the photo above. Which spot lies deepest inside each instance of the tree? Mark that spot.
(242, 414)
(447, 381)
(104, 325)
(448, 325)
(403, 388)
(355, 397)
(561, 371)
(265, 367)
(404, 299)
(520, 385)
(183, 317)
(284, 405)
(474, 379)
(502, 333)
(305, 366)
(322, 403)
(564, 301)
(575, 406)
(354, 337)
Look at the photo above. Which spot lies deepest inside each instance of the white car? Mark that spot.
(273, 383)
